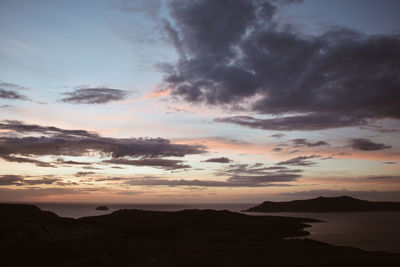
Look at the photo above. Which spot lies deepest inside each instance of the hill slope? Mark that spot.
(31, 237)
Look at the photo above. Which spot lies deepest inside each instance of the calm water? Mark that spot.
(366, 230)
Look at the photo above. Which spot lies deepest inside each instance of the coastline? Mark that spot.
(369, 236)
(181, 238)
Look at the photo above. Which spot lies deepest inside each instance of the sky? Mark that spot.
(241, 101)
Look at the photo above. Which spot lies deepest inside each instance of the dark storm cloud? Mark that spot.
(304, 142)
(219, 160)
(367, 145)
(235, 50)
(99, 95)
(209, 28)
(174, 38)
(300, 161)
(167, 164)
(82, 143)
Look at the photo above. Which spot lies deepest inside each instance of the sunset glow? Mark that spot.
(149, 102)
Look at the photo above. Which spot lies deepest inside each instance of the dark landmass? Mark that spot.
(102, 208)
(326, 204)
(32, 237)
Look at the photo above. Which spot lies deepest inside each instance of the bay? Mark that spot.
(366, 230)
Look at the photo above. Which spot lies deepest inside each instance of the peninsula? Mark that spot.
(326, 204)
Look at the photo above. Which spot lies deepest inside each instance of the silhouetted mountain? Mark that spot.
(21, 213)
(326, 204)
(31, 237)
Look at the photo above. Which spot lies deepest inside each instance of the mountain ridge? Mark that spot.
(326, 204)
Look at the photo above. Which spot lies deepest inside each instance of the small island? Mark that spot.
(326, 204)
(102, 208)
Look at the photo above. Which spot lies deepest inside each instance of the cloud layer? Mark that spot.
(218, 160)
(367, 145)
(9, 91)
(60, 142)
(300, 161)
(167, 164)
(99, 95)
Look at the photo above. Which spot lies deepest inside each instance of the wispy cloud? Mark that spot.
(300, 161)
(219, 160)
(278, 135)
(61, 142)
(304, 142)
(367, 145)
(167, 164)
(10, 91)
(253, 181)
(310, 122)
(6, 180)
(98, 95)
(82, 174)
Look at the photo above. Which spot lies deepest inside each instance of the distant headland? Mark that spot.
(326, 204)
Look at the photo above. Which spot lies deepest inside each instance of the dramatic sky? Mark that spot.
(199, 101)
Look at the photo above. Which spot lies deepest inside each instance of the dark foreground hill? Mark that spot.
(326, 204)
(31, 237)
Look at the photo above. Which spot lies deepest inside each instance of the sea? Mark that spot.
(373, 231)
